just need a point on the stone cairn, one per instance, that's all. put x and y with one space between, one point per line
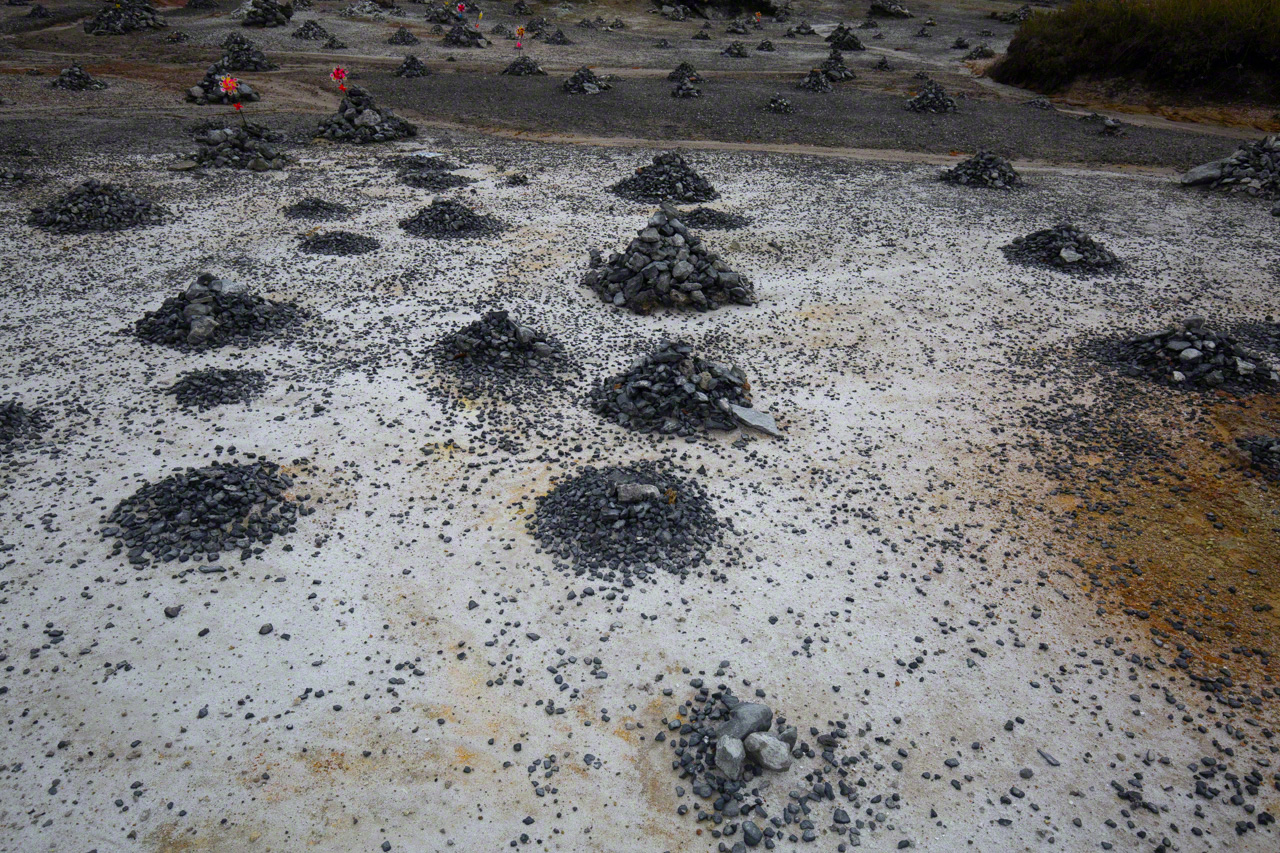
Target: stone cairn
316 208
412 67
214 312
199 390
888 9
1063 247
666 265
118 17
428 173
983 170
335 43
449 219
1017 16
240 54
524 66
982 51
684 71
701 35
75 79
735 50
932 99
779 104
337 244
460 36
766 46
667 178
248 146
267 13
496 355
816 81
558 38
1254 169
1191 355
97 206
686 89
844 38
835 69
209 90
585 82
360 121
403 36
311 31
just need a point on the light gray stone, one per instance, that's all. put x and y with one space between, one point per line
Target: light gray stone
731 756
772 753
1204 174
201 328
744 719
762 421
629 493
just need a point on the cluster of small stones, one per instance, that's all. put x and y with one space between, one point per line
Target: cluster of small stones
499 356
1192 355
701 35
75 79
1017 16
97 206
932 99
1041 103
685 89
337 244
312 208
801 29
311 31
667 178
835 69
779 104
18 423
844 38
209 90
666 265
39 13
371 9
412 67
241 54
446 218
179 36
558 38
1063 247
1264 452
684 71
118 17
737 28
888 9
585 82
883 64
335 43
982 51
199 514
712 219
983 170
268 13
214 312
625 524
524 66
816 81
402 35
1254 168
766 46
358 120
199 390
460 36
248 146
673 392
735 50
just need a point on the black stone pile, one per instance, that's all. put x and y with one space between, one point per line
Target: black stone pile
360 121
412 67
1063 247
844 38
584 82
96 206
403 36
524 66
666 265
738 28
932 99
247 146
883 64
558 37
835 69
216 386
118 17
1191 355
625 524
268 13
801 29
779 104
241 54
214 312
460 36
960 43
335 43
984 169
685 89
1017 16
1254 168
311 31
18 423
982 51
701 35
735 50
712 219
673 392
888 9
816 81
489 354
446 218
316 208
766 46
200 513
39 13
337 244
75 79
209 90
1263 450
1041 103
684 71
668 178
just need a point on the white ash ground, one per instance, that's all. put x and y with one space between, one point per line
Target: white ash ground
879 340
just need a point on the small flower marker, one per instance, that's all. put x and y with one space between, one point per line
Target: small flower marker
339 76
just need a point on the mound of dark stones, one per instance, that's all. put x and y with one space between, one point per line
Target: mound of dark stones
214 312
1041 103
460 36
932 99
524 66
766 46
210 387
667 178
497 355
779 104
960 43
118 17
412 67
446 218
268 13
712 219
801 29
737 28
844 38
97 206
685 89
241 54
1263 450
671 391
337 244
984 169
667 265
18 423
883 64
982 51
75 79
311 31
735 50
1017 16
316 208
1254 168
1192 355
1063 247
625 524
558 38
835 69
701 35
39 13
402 35
209 90
335 43
201 513
360 121
585 82
434 180
247 146
888 9
816 81
684 71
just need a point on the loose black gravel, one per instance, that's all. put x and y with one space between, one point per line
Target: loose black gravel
216 386
338 243
97 206
446 218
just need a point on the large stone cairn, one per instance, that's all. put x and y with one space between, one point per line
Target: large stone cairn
75 79
246 146
449 219
844 38
1191 355
585 82
524 66
667 178
240 54
214 312
209 90
311 31
984 169
888 9
1063 247
1254 169
118 17
667 265
358 120
816 81
268 13
97 206
412 67
932 99
835 69
673 392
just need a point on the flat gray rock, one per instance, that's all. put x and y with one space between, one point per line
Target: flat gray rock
1204 174
762 421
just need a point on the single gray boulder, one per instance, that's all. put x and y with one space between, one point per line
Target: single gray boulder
744 719
731 757
1204 174
762 421
771 753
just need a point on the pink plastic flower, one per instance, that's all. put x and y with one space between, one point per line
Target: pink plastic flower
339 76
229 84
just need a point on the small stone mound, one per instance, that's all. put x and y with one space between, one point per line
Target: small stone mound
888 9
448 219
215 312
766 46
199 390
209 90
713 220
97 206
248 146
403 36
75 79
801 29
311 31
816 81
338 244
982 51
200 513
267 13
460 36
835 69
524 66
316 208
412 67
960 43
662 44
983 170
118 17
1191 355
666 265
626 523
701 35
844 38
178 37
923 33
585 82
558 38
1064 247
883 64
736 50
240 54
684 71
668 178
738 28
1041 103
489 354
685 89
18 423
434 180
359 121
932 99
335 43
39 13
1017 16
1264 452
779 104
1254 168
